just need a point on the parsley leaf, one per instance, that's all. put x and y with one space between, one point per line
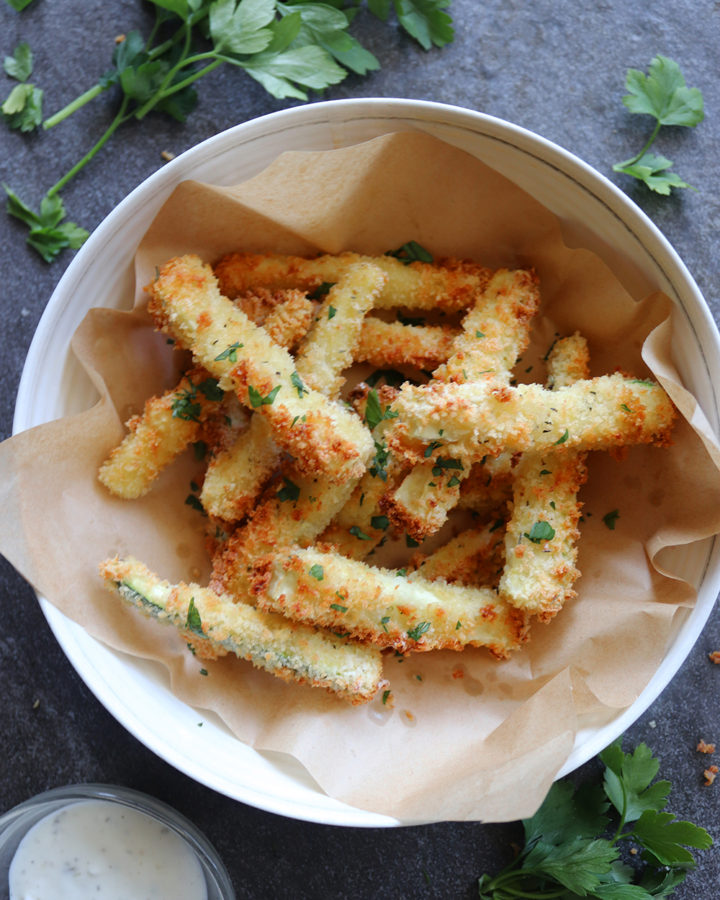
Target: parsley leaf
662 94
423 20
418 631
48 234
19 5
20 65
22 110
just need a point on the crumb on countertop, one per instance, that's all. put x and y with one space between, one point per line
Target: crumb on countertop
702 747
715 656
710 774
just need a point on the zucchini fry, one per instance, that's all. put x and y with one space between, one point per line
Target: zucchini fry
474 556
236 476
448 285
323 436
494 334
360 526
391 344
328 347
285 649
542 532
289 321
479 419
294 510
382 607
167 425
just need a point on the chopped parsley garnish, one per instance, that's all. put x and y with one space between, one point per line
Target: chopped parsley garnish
321 290
289 491
229 353
193 621
411 542
609 519
338 608
431 447
418 631
454 481
374 413
382 454
357 532
384 621
192 500
385 696
317 571
297 384
540 531
185 405
211 389
411 252
442 463
380 522
479 334
331 312
563 437
257 399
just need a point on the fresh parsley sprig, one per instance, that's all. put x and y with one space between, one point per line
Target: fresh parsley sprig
574 849
663 94
291 47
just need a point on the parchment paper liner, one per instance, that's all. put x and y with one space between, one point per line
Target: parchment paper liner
482 746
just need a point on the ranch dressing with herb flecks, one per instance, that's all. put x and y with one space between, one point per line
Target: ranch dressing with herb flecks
106 851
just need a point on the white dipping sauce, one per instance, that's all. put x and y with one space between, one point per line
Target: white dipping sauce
107 851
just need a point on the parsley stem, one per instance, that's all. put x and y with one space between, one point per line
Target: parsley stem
648 144
114 125
180 85
72 107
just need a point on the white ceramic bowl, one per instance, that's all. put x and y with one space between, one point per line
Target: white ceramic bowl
53 384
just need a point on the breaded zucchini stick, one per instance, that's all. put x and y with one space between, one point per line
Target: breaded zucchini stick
323 436
494 334
361 524
542 531
293 510
479 419
448 285
475 556
489 485
235 476
289 321
390 344
328 347
166 426
285 649
382 607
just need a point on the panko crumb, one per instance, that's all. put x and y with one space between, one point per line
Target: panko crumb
702 747
710 774
714 657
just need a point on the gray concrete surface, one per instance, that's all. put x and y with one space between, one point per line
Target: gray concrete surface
556 68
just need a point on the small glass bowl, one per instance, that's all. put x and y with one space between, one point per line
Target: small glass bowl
15 824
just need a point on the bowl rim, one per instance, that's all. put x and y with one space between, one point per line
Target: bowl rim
399 111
